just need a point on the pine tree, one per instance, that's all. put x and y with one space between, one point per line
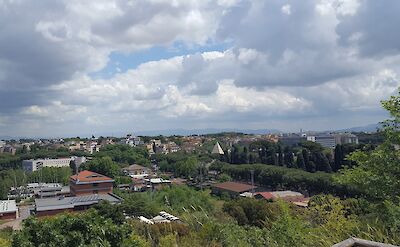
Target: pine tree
306 157
311 166
244 156
339 157
300 161
280 156
323 163
274 158
288 157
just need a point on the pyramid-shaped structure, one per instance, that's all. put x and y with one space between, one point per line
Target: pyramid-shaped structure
217 149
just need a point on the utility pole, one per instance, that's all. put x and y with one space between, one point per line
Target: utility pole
252 182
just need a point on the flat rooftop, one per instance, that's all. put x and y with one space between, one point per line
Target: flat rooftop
8 206
46 204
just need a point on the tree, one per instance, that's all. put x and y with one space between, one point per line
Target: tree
280 156
306 156
109 211
67 230
339 157
322 163
187 168
311 167
104 166
249 211
377 172
300 161
244 156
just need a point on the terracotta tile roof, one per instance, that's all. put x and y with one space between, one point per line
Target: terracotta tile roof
266 195
88 176
233 186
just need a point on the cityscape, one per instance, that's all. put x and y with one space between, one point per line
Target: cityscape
184 123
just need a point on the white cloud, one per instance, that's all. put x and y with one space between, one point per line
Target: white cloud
329 60
286 9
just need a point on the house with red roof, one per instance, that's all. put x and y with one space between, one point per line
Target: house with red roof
232 188
88 183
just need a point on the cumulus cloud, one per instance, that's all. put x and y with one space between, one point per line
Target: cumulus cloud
326 60
372 29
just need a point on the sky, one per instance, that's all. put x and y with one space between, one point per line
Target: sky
77 67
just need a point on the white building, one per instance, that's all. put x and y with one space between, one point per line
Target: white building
331 140
327 141
8 210
34 165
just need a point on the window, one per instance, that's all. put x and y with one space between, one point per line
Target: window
95 185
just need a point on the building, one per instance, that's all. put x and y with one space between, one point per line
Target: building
137 171
9 149
292 140
51 191
8 210
156 142
346 138
173 147
92 147
327 141
157 183
88 183
52 206
150 149
34 165
132 141
287 195
232 188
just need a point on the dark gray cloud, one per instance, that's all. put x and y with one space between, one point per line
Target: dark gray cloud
296 44
373 29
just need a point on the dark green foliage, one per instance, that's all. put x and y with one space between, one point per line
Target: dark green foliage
104 165
377 172
89 229
50 175
275 177
281 162
249 211
339 157
139 204
187 168
125 154
300 161
322 162
109 211
311 167
288 157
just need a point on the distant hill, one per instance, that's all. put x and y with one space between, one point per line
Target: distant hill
6 137
184 132
366 128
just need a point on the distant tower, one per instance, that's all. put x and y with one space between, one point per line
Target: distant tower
217 149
